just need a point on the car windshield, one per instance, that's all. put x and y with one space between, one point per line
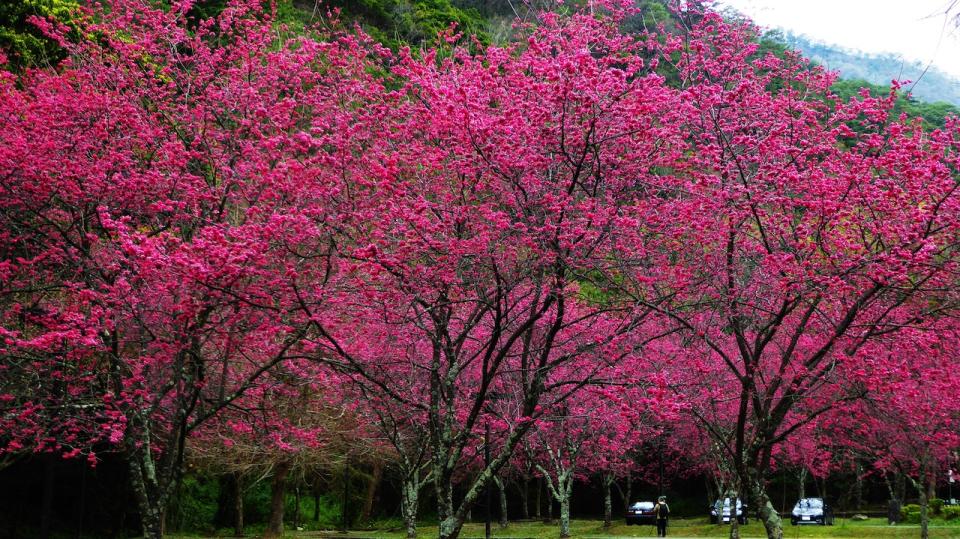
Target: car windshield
726 503
809 503
643 505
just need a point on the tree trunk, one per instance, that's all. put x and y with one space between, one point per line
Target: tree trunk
151 520
802 483
316 499
607 479
566 490
502 490
367 510
538 501
296 507
921 487
238 506
525 498
450 527
733 495
278 491
708 489
858 488
627 498
409 501
153 479
449 522
768 515
150 492
46 503
924 514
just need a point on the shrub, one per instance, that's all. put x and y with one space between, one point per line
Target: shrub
936 506
951 512
910 513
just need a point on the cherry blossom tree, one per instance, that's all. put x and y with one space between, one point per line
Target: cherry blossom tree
158 193
815 228
909 423
587 435
520 185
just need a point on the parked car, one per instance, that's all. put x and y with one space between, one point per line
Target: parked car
641 513
720 511
812 511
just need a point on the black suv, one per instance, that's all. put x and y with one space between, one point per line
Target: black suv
812 511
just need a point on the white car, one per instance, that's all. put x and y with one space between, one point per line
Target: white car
811 511
720 512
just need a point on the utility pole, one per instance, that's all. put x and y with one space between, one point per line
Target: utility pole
486 461
660 482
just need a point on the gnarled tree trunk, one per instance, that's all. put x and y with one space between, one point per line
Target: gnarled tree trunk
410 502
802 483
538 500
921 487
734 497
502 490
525 498
375 476
768 515
562 492
278 493
565 511
607 480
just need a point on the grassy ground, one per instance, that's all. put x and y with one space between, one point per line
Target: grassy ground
679 528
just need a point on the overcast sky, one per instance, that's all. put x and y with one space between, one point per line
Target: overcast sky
915 29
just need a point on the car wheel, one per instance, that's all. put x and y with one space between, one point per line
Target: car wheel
793 522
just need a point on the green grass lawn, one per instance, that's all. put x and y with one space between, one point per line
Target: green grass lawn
679 528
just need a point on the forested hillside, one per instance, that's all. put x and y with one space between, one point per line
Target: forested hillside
930 84
417 22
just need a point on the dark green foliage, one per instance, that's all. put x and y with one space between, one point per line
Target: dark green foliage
910 513
331 515
933 114
936 506
415 22
256 503
195 504
205 9
22 42
392 22
194 509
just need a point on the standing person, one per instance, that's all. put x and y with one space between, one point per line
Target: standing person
893 511
662 511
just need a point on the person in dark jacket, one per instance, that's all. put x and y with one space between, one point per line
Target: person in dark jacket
893 511
662 512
